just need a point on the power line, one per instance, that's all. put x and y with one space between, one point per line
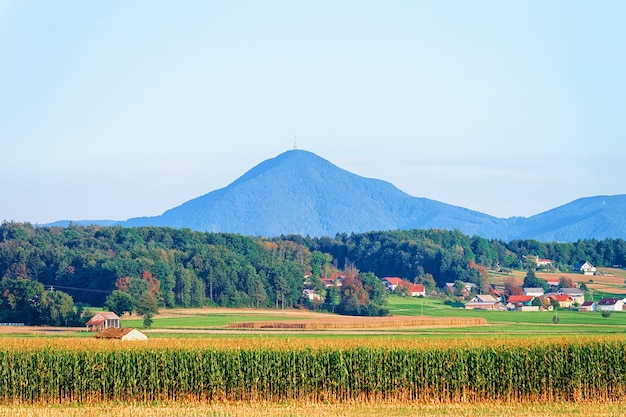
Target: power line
80 289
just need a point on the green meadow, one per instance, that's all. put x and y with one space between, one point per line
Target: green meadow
500 323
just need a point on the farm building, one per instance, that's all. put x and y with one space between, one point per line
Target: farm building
484 302
587 306
578 295
103 320
124 334
535 292
610 304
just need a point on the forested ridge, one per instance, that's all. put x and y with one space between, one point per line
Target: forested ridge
451 255
184 268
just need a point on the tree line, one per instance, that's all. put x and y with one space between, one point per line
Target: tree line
438 256
183 268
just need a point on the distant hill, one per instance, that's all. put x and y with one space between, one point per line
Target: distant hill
597 217
298 192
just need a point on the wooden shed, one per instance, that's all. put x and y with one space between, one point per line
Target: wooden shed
125 334
103 320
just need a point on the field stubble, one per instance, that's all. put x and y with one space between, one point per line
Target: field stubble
296 409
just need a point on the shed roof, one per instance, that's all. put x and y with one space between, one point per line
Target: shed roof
118 333
608 301
485 298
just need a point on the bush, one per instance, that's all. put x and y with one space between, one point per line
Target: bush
606 314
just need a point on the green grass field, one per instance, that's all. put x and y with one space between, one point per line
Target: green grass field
511 323
206 321
514 322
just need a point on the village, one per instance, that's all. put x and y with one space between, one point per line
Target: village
555 293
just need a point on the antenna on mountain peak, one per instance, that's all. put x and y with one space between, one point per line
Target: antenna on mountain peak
294 142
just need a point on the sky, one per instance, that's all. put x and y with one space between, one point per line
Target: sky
120 109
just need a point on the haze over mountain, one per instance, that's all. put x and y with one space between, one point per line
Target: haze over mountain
298 192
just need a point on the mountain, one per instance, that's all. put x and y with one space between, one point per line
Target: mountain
597 217
298 192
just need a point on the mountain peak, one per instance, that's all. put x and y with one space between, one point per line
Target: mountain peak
291 161
299 192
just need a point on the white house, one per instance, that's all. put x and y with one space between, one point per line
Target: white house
484 302
311 294
535 292
392 282
610 304
587 306
586 268
415 290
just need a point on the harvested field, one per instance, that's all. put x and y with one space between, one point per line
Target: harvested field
349 323
611 281
190 312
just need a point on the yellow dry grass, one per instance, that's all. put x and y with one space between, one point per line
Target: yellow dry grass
288 343
191 312
294 409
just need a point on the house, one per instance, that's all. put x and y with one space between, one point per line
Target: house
585 267
535 292
553 282
523 299
484 302
103 320
416 290
468 287
124 334
538 261
392 282
311 295
578 295
330 282
564 300
610 304
587 306
519 302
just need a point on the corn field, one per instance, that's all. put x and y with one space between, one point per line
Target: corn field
88 372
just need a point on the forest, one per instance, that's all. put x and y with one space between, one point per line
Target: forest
46 270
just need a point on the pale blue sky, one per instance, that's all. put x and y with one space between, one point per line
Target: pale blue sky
118 109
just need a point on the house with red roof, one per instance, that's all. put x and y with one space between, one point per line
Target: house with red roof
521 303
538 261
564 300
416 290
392 283
523 299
